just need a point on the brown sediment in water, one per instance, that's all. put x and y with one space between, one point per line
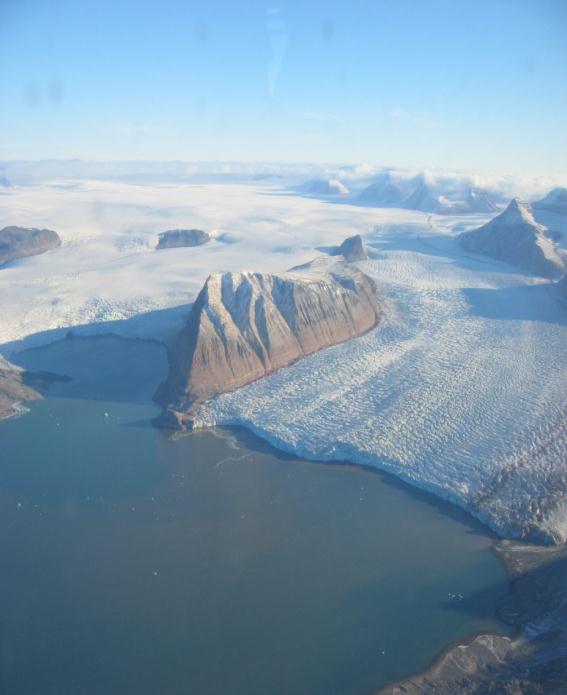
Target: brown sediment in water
533 660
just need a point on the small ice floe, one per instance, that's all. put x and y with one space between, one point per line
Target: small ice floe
106 414
455 597
19 505
156 573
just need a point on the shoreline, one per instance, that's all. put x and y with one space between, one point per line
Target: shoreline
473 665
535 535
534 608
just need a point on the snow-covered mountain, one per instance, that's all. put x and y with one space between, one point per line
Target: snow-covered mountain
554 201
326 187
245 325
385 191
428 194
516 238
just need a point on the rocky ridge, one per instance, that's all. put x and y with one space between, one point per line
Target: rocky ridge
19 242
18 385
246 325
178 238
352 249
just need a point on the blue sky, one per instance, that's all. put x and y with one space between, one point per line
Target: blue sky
473 85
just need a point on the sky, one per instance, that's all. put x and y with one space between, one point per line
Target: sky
478 85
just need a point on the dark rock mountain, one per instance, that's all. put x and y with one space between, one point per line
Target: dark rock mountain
19 242
352 249
177 238
245 325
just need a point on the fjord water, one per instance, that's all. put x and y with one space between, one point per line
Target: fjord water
137 562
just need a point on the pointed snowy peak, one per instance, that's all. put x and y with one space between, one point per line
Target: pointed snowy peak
514 237
517 212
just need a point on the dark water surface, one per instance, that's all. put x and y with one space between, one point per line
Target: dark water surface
136 563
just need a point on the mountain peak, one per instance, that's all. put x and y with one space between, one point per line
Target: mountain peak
516 238
517 212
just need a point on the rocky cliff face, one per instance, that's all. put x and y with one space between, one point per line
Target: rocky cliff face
352 249
18 385
516 238
18 242
246 325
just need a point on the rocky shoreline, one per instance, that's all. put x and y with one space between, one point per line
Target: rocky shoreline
18 386
534 660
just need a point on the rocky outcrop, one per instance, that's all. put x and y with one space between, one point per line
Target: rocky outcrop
18 385
18 242
177 238
516 238
554 201
352 249
245 325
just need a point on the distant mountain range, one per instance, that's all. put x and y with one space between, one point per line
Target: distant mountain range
423 192
554 201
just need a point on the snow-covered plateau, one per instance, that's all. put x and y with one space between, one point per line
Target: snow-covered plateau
462 390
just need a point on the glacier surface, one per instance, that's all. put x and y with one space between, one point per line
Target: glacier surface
462 391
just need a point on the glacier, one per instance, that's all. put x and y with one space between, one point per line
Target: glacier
462 391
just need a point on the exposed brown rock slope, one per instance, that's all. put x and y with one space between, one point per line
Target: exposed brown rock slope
176 238
352 249
18 242
245 325
18 385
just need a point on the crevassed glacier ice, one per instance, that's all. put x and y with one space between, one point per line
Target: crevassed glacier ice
463 392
